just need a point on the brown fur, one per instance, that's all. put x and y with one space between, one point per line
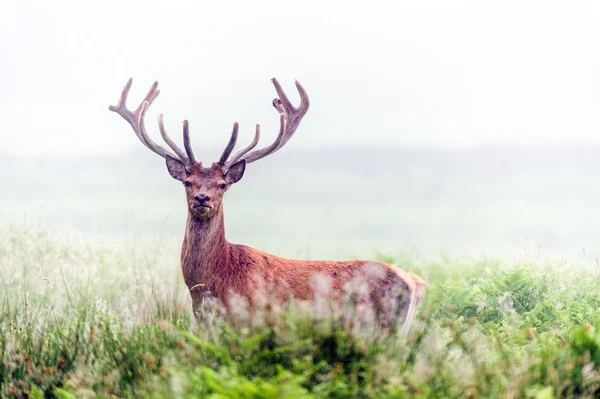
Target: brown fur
214 267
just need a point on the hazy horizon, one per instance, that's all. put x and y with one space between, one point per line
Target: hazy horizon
332 203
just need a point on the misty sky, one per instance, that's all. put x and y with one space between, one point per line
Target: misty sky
426 73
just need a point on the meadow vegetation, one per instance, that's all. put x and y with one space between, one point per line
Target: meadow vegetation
82 319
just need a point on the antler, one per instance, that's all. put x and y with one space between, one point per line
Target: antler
136 120
289 121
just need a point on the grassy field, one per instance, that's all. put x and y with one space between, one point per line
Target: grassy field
88 319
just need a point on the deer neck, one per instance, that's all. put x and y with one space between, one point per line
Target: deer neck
204 244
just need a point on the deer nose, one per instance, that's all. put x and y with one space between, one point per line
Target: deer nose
202 198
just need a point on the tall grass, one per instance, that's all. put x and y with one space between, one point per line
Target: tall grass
80 319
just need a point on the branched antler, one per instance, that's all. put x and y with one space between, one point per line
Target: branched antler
289 122
136 120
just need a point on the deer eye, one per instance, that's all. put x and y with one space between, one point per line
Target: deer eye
222 186
187 183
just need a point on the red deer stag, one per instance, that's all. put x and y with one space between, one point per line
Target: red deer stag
214 267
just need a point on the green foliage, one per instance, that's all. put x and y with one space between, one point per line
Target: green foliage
80 321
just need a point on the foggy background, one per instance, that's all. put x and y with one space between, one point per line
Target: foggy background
434 126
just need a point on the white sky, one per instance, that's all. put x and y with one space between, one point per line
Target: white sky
414 73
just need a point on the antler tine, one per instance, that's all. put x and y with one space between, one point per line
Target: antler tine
121 107
236 157
263 152
169 141
122 100
289 121
137 121
293 115
287 104
150 96
230 145
186 142
141 127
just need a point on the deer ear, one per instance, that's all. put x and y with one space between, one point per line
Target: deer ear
235 172
176 168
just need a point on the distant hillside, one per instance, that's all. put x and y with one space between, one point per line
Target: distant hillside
335 201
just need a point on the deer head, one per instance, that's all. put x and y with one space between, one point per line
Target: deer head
205 186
